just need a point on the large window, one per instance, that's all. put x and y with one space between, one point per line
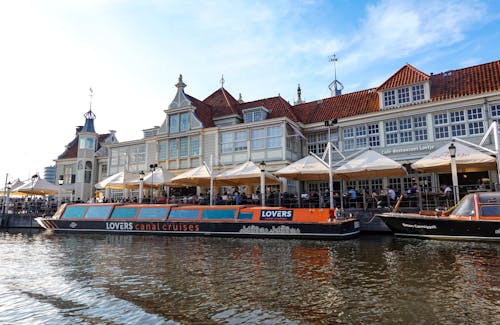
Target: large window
406 130
254 114
459 123
173 123
172 148
495 112
361 136
404 95
258 138
195 146
316 143
274 137
234 141
183 147
87 143
184 122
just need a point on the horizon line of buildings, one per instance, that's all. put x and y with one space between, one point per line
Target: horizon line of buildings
408 116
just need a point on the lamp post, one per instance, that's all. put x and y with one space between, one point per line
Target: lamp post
262 183
152 167
7 188
141 185
60 181
33 180
454 173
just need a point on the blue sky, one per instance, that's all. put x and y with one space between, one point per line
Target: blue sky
132 52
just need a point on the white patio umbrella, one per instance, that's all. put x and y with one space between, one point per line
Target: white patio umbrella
157 178
247 173
120 180
309 168
467 160
199 176
39 187
370 164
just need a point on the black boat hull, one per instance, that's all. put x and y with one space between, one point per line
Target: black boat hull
336 230
442 228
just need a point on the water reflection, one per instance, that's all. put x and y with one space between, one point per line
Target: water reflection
154 279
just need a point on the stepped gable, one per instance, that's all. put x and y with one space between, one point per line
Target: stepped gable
222 103
407 75
277 106
351 104
473 80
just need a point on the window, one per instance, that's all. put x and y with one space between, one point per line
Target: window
68 172
274 134
389 98
183 147
361 137
234 141
403 95
88 172
184 123
87 143
316 143
254 114
258 138
195 146
173 123
495 112
162 150
172 148
417 92
459 123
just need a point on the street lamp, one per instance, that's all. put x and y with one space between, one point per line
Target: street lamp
152 167
454 173
7 188
262 183
141 185
60 181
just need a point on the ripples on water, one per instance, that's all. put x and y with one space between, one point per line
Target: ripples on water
130 279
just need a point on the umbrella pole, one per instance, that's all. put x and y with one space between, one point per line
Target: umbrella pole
211 181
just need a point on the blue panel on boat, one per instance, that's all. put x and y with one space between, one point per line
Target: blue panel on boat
183 214
245 216
218 214
490 210
74 212
152 213
124 213
98 212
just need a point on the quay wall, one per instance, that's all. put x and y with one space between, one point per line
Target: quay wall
18 221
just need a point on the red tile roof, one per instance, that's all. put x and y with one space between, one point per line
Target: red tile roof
479 79
357 103
222 103
407 75
72 147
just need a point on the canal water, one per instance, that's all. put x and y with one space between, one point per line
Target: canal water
48 278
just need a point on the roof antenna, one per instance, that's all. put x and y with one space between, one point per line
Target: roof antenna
222 82
336 86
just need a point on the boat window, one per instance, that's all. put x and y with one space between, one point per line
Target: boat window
75 212
123 213
245 216
490 210
184 214
489 198
466 208
152 213
98 212
218 214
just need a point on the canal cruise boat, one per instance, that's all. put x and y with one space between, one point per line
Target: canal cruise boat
235 220
475 217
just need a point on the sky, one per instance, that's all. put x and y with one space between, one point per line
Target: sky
131 52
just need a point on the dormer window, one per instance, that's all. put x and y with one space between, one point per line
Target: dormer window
405 95
254 114
87 143
178 122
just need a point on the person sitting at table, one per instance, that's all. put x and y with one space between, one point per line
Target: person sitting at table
391 193
446 190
